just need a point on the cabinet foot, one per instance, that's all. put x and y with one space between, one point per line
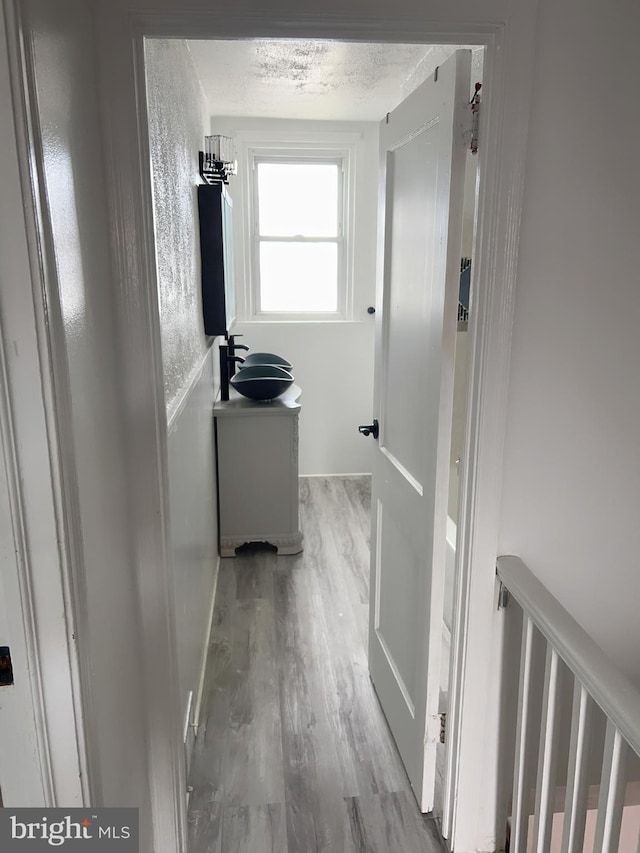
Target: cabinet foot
288 544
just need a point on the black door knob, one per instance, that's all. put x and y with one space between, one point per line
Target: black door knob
370 429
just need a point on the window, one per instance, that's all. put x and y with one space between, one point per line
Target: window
299 259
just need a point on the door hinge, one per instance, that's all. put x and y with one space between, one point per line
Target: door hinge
443 728
474 105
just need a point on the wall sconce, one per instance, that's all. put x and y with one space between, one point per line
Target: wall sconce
218 160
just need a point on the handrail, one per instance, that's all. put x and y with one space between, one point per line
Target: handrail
608 687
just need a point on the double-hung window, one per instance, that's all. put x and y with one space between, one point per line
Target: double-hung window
299 263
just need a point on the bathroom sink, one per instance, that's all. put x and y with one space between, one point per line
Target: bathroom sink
254 358
261 382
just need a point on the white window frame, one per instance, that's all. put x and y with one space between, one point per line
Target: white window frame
339 149
287 158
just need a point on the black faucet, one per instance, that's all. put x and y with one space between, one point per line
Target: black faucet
233 346
227 367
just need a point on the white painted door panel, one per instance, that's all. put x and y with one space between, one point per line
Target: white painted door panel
422 151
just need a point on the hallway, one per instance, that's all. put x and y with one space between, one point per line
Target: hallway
294 755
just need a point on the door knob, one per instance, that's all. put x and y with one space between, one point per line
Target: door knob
370 429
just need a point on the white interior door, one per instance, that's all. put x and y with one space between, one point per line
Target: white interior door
422 152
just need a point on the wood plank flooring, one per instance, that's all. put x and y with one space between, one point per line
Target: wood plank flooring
294 754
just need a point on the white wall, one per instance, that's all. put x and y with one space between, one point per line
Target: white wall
571 494
333 362
194 533
66 77
177 124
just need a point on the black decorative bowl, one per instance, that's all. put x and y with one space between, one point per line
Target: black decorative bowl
254 358
262 382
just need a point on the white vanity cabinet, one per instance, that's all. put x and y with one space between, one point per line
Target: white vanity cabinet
257 452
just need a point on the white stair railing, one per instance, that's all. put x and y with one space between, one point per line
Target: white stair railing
571 771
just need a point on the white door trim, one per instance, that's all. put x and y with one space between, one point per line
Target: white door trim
473 738
504 125
40 469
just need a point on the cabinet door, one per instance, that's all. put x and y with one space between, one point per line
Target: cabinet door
257 476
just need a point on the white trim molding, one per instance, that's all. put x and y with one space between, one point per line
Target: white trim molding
472 751
47 532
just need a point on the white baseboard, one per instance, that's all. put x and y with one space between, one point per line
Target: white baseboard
312 476
205 654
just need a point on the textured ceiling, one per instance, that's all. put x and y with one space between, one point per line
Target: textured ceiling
348 81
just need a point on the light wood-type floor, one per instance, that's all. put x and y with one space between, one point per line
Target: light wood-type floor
294 754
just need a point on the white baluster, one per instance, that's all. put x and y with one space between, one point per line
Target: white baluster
520 810
547 755
612 792
575 809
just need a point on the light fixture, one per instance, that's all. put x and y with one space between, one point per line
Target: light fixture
218 160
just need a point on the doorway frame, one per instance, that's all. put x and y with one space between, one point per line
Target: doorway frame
467 819
42 573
